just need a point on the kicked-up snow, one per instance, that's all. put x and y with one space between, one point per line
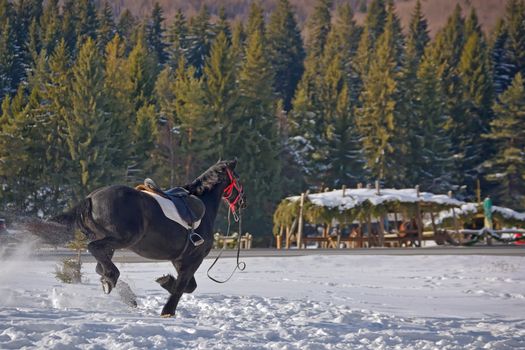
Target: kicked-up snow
314 302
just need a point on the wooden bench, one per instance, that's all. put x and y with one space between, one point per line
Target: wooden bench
221 241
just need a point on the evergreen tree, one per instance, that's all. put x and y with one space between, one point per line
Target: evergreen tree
142 70
373 28
126 27
155 34
507 167
318 28
86 21
379 116
177 39
255 19
199 40
192 116
221 93
144 137
222 24
118 87
8 51
88 124
50 26
417 40
255 132
476 84
285 51
515 43
106 26
69 25
501 72
430 162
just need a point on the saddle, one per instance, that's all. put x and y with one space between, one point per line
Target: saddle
190 208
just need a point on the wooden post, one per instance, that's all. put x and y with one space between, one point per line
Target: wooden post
359 185
300 223
344 190
381 231
419 220
369 228
378 189
279 237
455 220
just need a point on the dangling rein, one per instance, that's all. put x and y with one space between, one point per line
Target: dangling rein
237 217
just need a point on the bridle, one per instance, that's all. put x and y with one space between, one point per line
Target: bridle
235 204
234 201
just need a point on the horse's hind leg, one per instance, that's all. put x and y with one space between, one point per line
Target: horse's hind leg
103 251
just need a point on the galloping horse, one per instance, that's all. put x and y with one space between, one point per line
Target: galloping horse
117 217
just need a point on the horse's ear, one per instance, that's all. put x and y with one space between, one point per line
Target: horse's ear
232 163
220 160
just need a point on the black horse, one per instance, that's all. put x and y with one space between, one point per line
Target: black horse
117 217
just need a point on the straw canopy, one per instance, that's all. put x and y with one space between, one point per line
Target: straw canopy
347 205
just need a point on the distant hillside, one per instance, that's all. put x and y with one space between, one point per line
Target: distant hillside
436 11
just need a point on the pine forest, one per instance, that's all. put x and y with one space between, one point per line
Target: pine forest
90 99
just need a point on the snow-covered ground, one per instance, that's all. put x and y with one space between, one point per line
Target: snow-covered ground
314 302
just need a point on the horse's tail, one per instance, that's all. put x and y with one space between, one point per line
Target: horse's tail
60 229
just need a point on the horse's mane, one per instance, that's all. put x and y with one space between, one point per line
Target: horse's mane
207 180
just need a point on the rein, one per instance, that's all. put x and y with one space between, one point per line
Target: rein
237 217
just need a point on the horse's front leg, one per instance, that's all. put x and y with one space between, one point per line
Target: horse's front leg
185 281
168 282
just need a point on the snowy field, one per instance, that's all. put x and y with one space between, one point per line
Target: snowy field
314 302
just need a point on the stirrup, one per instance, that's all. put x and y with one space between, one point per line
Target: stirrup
196 239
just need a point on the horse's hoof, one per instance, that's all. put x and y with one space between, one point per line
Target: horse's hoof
164 279
167 315
106 286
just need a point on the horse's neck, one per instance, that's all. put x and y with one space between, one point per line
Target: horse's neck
212 199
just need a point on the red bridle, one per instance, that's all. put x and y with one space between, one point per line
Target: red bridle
228 194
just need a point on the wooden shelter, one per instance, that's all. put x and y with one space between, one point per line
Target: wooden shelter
365 210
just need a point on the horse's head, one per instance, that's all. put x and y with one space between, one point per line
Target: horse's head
233 193
221 175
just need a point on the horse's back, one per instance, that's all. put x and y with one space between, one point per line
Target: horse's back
118 209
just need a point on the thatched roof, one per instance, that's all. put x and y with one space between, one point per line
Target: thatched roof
360 203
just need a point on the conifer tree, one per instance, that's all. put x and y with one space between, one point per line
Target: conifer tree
501 72
142 70
155 34
86 21
8 51
50 26
192 115
177 39
106 26
476 85
255 132
222 24
143 141
373 28
255 21
88 124
126 26
221 92
199 40
515 43
430 156
69 25
379 116
506 168
318 28
285 51
417 40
